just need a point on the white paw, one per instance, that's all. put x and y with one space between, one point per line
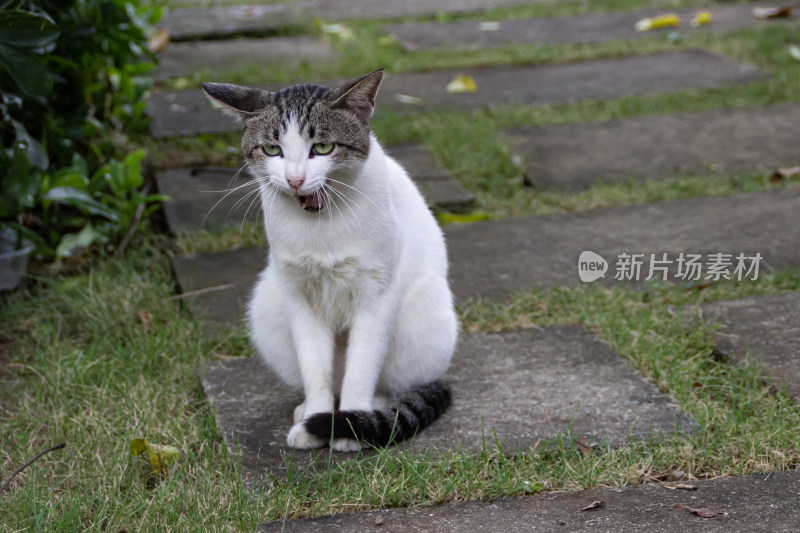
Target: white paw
346 445
299 413
303 440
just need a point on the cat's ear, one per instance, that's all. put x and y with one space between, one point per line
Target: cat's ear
237 101
359 96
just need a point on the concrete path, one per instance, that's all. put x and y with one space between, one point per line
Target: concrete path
724 141
218 57
188 112
205 23
763 330
760 503
523 386
595 28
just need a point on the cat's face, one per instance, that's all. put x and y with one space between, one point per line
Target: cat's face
305 142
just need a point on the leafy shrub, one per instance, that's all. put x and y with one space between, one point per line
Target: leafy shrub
72 81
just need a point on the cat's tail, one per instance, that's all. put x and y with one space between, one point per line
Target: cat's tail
413 412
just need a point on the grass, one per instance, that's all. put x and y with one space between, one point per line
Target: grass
98 359
102 357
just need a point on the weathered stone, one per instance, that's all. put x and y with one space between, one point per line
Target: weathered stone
193 23
724 141
760 503
188 112
217 286
208 198
592 28
763 330
522 386
218 57
490 259
212 197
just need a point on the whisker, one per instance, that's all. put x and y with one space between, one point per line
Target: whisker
344 199
254 181
241 201
244 218
368 199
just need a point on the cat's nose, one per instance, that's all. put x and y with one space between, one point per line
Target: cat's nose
295 182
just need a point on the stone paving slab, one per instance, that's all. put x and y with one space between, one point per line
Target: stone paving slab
525 385
760 503
761 329
213 197
723 141
188 112
594 28
223 281
490 259
216 22
183 59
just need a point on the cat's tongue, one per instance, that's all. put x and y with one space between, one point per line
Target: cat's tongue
312 202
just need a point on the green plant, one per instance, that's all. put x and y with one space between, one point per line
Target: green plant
72 207
71 73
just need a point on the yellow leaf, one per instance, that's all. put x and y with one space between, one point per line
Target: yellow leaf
462 84
661 21
701 19
456 218
160 456
138 446
167 455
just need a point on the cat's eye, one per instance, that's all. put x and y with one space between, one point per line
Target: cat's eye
322 148
271 150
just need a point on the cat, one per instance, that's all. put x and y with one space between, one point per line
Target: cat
354 307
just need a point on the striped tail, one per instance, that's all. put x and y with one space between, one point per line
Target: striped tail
414 411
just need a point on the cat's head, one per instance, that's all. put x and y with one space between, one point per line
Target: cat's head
304 138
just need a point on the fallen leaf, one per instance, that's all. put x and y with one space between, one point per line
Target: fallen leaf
339 30
445 218
661 21
676 475
594 505
462 84
701 512
407 99
145 318
701 19
772 12
784 173
584 447
158 40
682 486
794 51
160 456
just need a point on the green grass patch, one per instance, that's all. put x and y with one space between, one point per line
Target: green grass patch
98 359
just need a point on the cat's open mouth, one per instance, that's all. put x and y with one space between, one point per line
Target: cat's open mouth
312 202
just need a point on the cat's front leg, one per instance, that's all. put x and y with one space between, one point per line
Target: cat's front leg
366 352
314 344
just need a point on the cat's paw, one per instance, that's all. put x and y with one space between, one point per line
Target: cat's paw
346 445
299 413
303 440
